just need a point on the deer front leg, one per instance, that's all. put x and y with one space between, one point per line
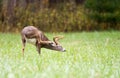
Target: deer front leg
38 46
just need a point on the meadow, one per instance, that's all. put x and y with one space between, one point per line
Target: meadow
89 55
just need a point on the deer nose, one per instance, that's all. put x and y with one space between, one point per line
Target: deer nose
64 50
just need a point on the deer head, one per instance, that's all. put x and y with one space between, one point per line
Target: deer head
54 45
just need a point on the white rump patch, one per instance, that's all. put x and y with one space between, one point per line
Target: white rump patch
31 41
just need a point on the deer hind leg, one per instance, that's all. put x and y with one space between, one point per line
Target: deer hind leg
23 48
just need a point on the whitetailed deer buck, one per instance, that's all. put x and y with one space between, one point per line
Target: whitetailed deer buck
32 35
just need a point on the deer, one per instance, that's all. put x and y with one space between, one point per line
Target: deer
31 34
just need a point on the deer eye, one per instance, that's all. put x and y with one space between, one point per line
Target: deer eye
52 44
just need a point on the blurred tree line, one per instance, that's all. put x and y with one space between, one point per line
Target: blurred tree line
106 13
59 15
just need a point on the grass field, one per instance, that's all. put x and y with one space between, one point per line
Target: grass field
89 55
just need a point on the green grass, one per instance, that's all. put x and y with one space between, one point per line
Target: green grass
89 55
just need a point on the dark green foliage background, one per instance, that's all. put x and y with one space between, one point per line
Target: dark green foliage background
61 16
104 10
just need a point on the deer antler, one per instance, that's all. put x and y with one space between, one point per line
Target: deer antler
55 39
